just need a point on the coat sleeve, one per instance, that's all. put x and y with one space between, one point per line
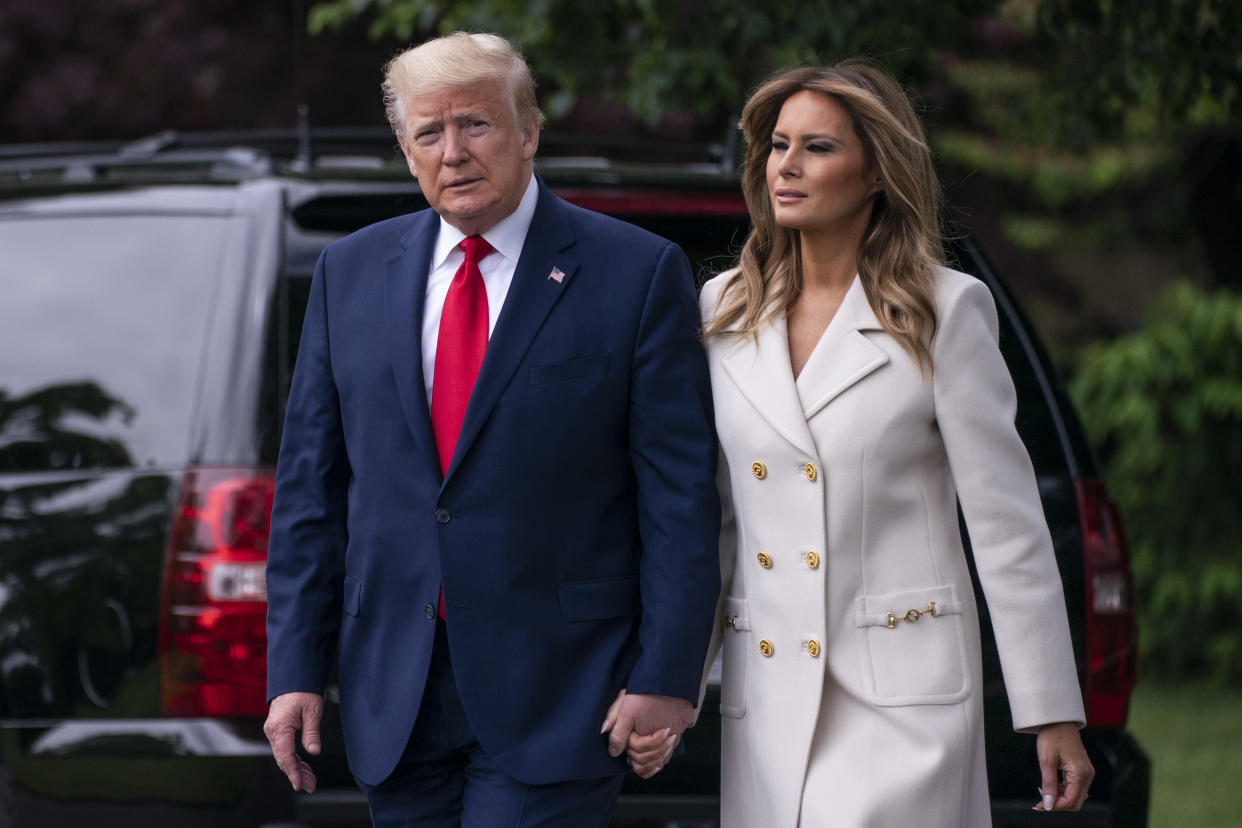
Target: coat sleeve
728 555
306 552
976 405
673 454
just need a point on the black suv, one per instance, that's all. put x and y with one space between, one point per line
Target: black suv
151 299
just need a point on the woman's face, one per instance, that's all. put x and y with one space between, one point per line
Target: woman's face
819 179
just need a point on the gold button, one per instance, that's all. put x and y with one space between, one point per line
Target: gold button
766 648
811 472
812 647
759 470
765 560
812 559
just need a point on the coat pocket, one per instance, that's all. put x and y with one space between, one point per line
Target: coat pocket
599 599
913 649
736 658
570 369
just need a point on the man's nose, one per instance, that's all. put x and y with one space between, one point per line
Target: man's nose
455 151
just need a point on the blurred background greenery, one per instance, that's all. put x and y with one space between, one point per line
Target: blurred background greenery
1093 147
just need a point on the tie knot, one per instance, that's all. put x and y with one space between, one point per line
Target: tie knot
475 248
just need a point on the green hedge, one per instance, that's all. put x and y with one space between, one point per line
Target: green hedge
1164 406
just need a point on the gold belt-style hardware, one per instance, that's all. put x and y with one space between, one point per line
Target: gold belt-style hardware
912 615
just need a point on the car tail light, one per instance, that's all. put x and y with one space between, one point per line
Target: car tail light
1111 630
213 640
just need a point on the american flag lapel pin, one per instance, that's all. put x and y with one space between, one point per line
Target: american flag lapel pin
557 275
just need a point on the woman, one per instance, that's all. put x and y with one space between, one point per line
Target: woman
859 395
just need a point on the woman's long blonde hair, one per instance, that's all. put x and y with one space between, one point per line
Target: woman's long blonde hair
902 240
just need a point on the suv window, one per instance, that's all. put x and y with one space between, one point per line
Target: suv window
101 338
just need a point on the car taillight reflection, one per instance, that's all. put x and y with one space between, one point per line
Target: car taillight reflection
213 641
1111 630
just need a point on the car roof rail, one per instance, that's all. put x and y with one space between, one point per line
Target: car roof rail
233 155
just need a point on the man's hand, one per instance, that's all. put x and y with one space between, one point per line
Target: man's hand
1062 755
647 727
289 713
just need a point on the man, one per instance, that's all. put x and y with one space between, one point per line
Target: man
496 486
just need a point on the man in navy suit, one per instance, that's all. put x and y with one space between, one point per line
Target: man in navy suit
495 497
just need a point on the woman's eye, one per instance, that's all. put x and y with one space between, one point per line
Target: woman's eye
779 145
819 148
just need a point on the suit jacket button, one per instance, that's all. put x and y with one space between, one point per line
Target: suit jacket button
812 474
759 470
765 560
812 647
443 515
812 559
766 648
429 611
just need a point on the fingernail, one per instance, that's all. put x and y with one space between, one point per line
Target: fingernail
1047 802
667 731
604 727
672 740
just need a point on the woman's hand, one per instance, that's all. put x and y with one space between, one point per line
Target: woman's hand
1067 772
647 755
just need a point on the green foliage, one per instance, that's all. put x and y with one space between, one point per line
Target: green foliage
698 56
1165 405
1179 58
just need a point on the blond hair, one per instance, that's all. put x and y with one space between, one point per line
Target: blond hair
902 240
451 62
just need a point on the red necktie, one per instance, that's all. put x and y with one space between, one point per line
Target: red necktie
459 351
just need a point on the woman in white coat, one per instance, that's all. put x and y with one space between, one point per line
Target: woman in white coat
860 394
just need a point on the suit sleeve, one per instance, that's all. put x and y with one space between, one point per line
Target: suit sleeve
976 405
305 567
728 556
673 453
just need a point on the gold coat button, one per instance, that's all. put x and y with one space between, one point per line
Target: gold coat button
766 648
812 474
765 560
812 647
759 470
812 559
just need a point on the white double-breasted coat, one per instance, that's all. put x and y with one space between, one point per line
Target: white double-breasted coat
851 692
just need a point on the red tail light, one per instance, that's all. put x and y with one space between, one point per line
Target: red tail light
1111 630
213 640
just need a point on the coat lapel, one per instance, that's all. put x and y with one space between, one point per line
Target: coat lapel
406 284
844 354
531 297
761 371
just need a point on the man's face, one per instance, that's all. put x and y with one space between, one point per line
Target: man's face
471 158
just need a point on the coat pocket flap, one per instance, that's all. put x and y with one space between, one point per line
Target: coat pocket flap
908 607
598 599
569 369
352 598
736 616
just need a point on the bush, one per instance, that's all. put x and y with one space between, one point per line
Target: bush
1164 406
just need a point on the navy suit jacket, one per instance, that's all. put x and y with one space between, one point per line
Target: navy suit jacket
574 533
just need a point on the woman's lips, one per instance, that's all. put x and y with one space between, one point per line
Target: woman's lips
784 196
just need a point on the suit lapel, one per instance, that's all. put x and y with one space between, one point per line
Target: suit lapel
406 285
844 354
762 373
532 294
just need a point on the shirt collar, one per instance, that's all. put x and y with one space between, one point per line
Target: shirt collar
506 237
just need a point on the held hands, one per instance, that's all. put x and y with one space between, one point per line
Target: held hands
1060 749
289 713
647 728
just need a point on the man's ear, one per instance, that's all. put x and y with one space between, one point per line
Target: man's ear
530 140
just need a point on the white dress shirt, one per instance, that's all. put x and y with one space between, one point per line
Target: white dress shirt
506 238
